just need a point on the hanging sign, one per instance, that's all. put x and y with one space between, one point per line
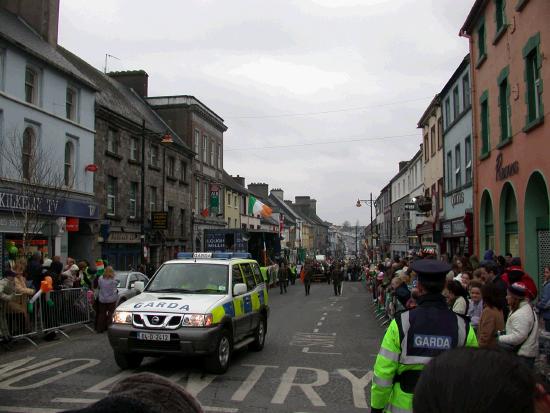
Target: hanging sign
72 224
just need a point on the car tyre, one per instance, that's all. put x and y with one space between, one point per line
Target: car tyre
259 335
218 362
127 360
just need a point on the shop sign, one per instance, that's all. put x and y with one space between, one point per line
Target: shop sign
221 240
16 225
72 224
159 220
410 206
447 228
458 226
506 171
214 199
124 237
457 198
43 205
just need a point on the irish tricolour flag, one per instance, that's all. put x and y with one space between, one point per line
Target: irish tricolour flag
258 207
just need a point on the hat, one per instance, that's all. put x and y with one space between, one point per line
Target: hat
518 289
429 268
380 276
516 262
9 273
47 263
74 267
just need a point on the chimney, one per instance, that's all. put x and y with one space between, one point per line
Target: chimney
402 165
240 180
134 79
278 193
289 203
313 205
260 188
302 200
41 15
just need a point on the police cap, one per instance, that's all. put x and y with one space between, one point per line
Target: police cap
430 269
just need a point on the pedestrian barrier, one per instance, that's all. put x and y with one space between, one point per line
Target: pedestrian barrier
51 312
16 321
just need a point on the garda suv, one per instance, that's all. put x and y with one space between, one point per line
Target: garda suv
206 304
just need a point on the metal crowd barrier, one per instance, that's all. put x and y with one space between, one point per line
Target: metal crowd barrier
51 312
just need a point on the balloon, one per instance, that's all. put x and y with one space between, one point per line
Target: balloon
46 285
30 307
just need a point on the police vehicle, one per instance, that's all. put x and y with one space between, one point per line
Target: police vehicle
207 304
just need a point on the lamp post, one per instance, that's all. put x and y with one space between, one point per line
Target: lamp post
370 203
166 138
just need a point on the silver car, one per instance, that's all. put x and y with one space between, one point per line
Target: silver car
125 284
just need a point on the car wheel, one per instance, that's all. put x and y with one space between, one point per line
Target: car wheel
127 360
259 335
218 362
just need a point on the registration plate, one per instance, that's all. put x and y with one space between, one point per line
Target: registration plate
153 336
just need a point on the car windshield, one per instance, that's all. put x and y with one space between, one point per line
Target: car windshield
121 279
193 278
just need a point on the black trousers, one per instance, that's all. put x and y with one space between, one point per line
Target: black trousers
307 285
337 287
283 284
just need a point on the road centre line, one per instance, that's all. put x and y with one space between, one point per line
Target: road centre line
323 318
74 400
19 409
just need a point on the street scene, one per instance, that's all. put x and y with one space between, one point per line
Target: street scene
292 206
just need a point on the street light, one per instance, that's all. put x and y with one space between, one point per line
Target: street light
370 203
166 138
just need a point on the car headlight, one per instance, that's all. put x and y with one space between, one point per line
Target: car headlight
196 320
122 317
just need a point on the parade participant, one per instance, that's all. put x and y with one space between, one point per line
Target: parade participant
414 337
108 296
337 276
282 275
308 275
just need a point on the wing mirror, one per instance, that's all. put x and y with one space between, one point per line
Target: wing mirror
139 285
239 289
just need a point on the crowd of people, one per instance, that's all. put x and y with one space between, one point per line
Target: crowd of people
23 278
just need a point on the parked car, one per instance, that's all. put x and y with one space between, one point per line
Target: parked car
126 281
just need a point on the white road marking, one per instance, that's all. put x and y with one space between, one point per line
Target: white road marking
315 330
250 381
220 409
19 409
101 386
358 387
8 384
11 369
287 382
194 383
306 350
323 318
325 313
74 400
319 323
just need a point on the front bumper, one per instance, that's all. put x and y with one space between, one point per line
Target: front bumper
183 341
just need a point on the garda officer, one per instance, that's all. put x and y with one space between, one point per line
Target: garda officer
414 337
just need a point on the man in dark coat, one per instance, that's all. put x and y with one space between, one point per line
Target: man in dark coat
34 270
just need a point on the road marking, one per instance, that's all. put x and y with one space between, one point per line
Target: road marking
8 383
319 323
19 409
250 381
358 386
101 386
306 350
315 330
74 400
287 382
325 313
195 382
11 368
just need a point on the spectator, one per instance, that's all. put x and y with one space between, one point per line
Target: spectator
508 257
56 268
402 291
474 262
470 380
457 298
544 303
515 273
34 270
521 335
475 306
489 255
501 264
70 276
489 275
7 293
492 317
68 263
476 275
108 297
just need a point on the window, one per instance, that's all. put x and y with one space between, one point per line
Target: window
112 141
440 193
236 224
237 275
205 194
533 63
152 198
426 149
197 196
481 43
456 103
2 59
28 153
458 162
133 149
466 91
449 171
504 106
183 171
197 143
468 159
500 14
484 114
182 223
171 166
31 86
432 140
228 199
219 156
132 204
171 220
249 277
204 149
212 152
439 133
154 155
228 222
71 103
69 164
235 199
447 112
111 195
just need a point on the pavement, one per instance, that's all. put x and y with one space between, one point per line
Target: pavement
318 357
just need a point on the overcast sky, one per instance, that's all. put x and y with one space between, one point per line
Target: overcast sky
321 97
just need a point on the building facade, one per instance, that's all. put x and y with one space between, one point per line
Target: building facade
508 46
400 217
456 228
415 182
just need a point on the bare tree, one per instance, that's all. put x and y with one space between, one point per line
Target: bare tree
33 181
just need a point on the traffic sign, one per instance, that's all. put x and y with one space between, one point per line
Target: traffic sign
410 206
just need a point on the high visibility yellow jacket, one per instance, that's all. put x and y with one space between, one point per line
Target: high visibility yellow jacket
410 342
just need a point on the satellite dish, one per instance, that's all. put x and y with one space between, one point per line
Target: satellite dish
245 236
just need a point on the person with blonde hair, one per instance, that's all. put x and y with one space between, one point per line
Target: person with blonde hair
108 297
